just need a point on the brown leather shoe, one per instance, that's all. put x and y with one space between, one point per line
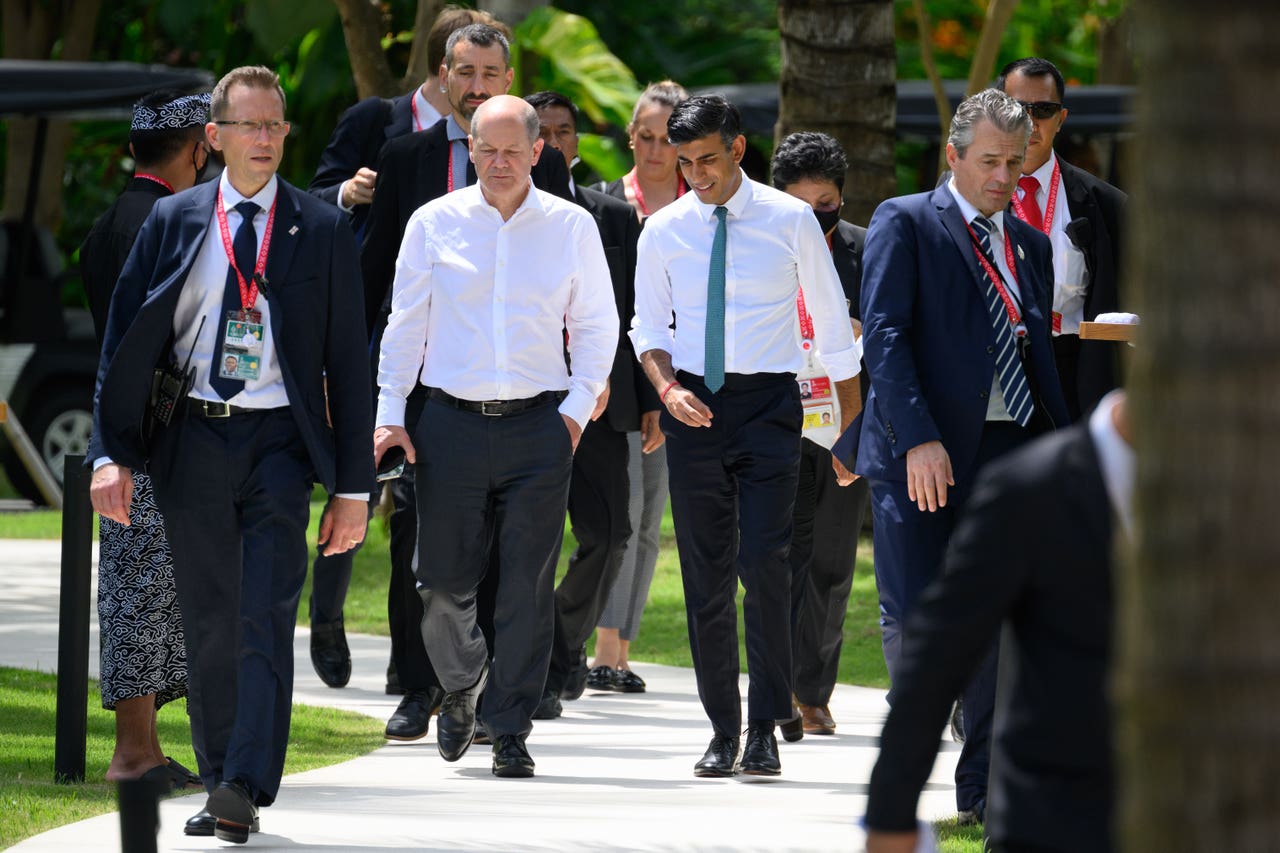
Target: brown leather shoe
817 719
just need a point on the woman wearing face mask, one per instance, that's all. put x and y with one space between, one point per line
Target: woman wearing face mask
811 167
652 184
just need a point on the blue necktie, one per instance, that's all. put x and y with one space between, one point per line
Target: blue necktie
1013 381
713 369
245 248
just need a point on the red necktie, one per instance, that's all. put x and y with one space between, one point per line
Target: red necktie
1029 186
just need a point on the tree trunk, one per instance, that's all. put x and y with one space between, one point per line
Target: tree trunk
838 76
363 26
32 29
1198 650
418 70
999 13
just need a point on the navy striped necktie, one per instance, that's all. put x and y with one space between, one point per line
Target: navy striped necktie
1013 380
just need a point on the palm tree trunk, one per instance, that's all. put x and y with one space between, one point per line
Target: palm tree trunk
838 77
1198 649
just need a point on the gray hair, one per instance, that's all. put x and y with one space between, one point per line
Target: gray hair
480 35
1004 113
524 112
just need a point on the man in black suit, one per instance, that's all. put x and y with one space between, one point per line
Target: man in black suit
234 469
346 178
828 516
413 170
955 304
598 490
1084 219
1032 552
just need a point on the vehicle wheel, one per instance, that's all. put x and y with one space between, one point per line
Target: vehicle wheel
58 424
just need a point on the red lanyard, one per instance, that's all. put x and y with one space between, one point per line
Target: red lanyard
159 180
413 108
806 319
1049 207
1010 307
448 169
248 289
630 180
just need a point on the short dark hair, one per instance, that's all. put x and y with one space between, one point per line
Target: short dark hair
156 147
702 116
481 35
1033 66
452 18
546 98
809 154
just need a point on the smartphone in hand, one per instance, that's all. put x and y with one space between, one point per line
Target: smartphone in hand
391 465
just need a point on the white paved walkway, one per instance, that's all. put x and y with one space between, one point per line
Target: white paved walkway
614 773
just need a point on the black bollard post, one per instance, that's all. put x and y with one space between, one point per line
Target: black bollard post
139 815
72 718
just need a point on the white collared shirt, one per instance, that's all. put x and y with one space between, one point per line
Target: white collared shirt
1116 459
479 306
1069 269
774 245
202 297
425 114
996 408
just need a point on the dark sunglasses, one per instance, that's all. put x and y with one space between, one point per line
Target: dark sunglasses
1041 109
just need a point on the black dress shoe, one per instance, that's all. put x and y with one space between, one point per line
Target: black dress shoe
792 729
329 653
234 812
760 754
600 678
576 680
457 724
549 708
202 823
510 759
626 681
413 715
720 758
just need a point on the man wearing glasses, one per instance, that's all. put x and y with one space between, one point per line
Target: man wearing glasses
1082 217
250 280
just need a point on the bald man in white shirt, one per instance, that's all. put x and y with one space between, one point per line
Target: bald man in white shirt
488 281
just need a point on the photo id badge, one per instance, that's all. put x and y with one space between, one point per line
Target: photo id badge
242 346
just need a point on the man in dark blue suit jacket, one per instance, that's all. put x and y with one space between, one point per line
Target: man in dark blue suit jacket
234 469
958 348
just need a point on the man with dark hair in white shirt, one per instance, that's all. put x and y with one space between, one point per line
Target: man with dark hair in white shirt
726 261
488 282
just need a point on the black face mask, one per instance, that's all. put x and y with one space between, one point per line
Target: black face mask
200 170
827 219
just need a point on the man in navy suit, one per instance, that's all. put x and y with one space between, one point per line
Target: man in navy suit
234 468
955 300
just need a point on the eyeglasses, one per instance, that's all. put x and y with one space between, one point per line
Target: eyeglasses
1041 109
253 128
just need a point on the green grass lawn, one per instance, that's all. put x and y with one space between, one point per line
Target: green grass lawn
31 802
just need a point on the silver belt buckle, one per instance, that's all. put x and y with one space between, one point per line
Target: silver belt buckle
484 408
216 410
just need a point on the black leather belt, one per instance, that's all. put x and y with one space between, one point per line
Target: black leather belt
212 409
497 408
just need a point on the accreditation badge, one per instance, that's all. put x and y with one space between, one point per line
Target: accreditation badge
242 342
821 423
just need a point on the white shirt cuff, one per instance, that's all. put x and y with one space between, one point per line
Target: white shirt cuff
390 410
342 192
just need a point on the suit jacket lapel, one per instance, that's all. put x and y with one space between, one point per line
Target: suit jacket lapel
284 232
953 222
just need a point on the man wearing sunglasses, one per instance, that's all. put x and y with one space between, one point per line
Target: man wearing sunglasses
1082 217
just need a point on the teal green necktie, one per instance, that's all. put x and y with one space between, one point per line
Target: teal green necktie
713 370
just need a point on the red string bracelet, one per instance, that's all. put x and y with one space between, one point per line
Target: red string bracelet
662 398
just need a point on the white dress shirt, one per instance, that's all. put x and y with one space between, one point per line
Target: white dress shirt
1116 459
996 409
774 244
479 305
202 297
1069 269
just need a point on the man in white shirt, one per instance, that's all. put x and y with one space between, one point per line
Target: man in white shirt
489 281
725 262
